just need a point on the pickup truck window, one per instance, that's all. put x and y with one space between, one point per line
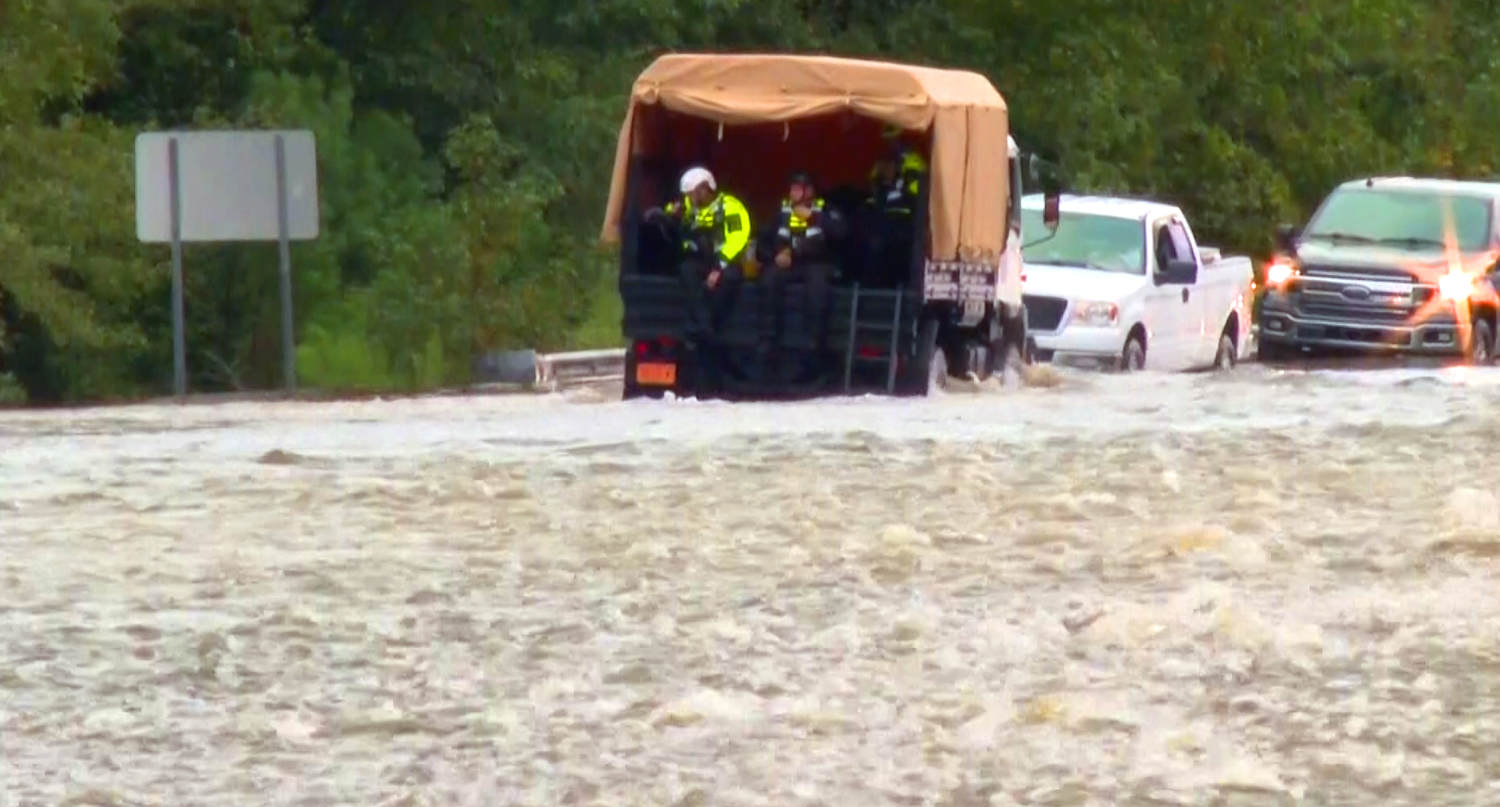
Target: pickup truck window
1403 219
1182 246
1104 243
1172 243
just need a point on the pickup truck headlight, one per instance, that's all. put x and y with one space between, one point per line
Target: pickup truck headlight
1279 271
1456 286
1087 312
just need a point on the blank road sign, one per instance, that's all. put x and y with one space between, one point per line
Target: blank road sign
227 185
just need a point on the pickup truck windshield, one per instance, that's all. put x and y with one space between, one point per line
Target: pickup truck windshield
1105 243
1403 219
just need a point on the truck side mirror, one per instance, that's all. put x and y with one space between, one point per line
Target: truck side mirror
1051 211
1042 173
1286 239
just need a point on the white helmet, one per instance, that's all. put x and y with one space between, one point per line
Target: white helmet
695 176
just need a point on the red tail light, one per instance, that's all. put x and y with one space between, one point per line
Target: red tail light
869 352
667 342
640 350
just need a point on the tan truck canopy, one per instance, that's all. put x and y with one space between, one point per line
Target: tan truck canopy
961 112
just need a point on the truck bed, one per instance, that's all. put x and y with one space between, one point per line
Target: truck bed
1219 264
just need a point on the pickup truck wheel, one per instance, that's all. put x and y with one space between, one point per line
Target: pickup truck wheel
1224 359
1481 343
1133 357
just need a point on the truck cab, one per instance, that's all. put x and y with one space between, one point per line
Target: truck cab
1396 265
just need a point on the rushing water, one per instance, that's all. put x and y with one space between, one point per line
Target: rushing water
1264 588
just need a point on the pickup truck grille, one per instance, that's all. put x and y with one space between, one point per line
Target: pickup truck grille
1350 312
1044 313
1360 296
1356 273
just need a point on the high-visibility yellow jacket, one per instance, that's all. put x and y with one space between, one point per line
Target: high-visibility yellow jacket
726 223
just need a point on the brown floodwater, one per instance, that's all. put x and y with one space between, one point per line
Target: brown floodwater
1262 588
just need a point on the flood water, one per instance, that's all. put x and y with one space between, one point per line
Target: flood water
1263 588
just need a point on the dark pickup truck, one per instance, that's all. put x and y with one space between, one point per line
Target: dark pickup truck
1398 265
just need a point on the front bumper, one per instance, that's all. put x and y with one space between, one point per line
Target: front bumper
1436 334
1082 345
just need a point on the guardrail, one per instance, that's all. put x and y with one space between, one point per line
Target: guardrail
579 367
527 369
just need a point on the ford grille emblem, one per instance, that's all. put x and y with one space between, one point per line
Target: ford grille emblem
1356 292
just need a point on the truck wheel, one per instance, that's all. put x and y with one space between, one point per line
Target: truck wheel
1004 361
1481 343
928 373
1225 358
1008 366
1133 357
1010 351
937 371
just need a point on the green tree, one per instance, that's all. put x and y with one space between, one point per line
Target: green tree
465 149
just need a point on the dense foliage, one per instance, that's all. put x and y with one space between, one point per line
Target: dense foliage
465 145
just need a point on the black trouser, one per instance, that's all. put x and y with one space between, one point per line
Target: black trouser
816 278
885 252
707 307
895 253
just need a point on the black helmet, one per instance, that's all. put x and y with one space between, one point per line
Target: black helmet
801 178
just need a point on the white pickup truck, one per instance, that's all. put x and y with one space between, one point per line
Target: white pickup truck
1123 283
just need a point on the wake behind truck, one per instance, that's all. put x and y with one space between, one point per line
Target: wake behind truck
946 302
1392 265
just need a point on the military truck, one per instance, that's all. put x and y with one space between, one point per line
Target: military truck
952 307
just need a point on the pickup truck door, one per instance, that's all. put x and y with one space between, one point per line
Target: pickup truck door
1169 307
1206 299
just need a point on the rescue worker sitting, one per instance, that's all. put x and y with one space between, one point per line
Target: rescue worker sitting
801 250
896 185
716 230
898 176
680 211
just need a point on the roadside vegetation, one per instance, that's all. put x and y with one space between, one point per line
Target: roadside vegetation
465 149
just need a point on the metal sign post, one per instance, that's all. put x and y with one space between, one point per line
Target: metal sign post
179 339
227 186
288 352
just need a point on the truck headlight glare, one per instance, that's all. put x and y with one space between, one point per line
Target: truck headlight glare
1278 273
1456 286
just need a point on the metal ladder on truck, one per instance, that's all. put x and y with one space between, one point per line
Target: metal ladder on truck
873 325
